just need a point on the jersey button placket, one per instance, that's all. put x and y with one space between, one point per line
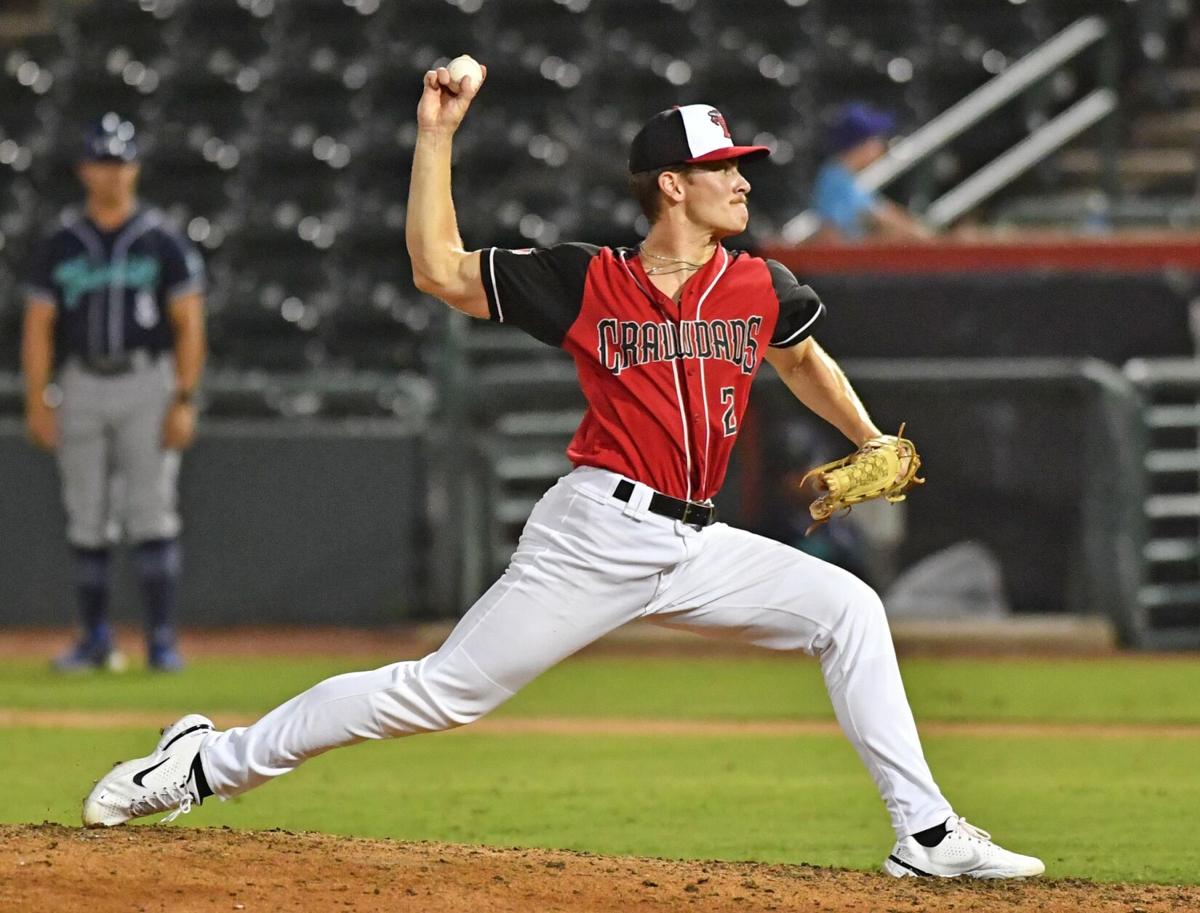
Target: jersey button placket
695 402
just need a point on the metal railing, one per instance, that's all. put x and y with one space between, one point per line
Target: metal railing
972 109
1008 166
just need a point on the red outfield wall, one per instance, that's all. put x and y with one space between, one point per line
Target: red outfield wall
1126 253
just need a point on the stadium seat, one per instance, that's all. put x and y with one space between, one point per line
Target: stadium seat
10 319
223 36
197 105
125 38
378 327
195 195
274 295
418 34
382 322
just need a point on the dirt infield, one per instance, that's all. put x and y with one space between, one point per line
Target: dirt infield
53 868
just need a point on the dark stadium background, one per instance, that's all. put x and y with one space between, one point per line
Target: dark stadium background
366 458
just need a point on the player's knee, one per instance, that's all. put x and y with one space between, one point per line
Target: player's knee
455 701
864 609
150 522
454 709
87 532
858 626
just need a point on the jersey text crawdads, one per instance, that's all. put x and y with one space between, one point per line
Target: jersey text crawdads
666 382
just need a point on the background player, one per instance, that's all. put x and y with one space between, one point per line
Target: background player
849 212
114 298
667 339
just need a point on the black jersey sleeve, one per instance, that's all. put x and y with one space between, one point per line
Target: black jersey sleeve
539 290
182 266
800 310
39 279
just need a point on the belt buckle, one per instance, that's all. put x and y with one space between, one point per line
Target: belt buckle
687 510
108 366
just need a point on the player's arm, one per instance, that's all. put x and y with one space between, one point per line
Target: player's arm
187 322
897 223
37 364
186 313
441 267
816 380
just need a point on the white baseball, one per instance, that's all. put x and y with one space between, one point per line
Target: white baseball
465 65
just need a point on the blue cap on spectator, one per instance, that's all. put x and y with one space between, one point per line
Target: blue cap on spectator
857 123
110 139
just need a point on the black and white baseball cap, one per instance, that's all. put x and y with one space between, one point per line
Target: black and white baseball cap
686 135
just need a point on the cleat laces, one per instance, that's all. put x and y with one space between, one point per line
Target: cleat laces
185 806
177 797
970 830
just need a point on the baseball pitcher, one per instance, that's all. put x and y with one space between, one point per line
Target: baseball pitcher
114 299
667 337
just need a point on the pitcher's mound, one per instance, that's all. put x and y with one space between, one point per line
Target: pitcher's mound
51 868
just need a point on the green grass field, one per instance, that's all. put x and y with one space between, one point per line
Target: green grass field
1107 806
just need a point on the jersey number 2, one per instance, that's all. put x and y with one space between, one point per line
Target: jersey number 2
728 418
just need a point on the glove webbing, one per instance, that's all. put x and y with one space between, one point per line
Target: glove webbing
870 472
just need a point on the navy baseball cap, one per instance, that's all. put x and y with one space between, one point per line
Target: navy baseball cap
857 123
110 139
685 136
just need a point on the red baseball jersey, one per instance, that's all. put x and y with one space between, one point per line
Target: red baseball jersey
666 383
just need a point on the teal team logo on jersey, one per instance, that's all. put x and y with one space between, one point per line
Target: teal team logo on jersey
77 276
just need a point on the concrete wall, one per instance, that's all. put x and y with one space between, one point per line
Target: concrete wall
285 521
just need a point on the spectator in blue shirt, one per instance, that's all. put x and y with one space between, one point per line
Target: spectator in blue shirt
848 211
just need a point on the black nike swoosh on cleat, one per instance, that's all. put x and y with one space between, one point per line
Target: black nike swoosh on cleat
179 735
140 775
893 857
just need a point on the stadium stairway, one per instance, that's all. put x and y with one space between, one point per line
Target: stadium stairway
1158 165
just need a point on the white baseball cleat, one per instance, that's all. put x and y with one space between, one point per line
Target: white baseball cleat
164 781
965 850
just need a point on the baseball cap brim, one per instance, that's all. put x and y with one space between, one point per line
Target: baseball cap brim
749 153
109 159
112 151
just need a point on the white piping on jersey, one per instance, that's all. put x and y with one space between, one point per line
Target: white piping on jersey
39 292
495 288
683 424
687 446
189 286
703 383
116 286
95 249
819 311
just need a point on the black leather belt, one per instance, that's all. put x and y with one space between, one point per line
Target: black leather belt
116 365
107 367
689 512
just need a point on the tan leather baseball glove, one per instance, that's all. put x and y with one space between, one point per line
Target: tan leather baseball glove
884 467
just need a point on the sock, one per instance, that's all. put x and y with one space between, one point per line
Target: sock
158 564
93 581
203 790
931 837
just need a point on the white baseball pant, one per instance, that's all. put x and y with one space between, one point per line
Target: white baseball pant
586 564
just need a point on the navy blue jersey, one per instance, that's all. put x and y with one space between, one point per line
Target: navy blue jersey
112 288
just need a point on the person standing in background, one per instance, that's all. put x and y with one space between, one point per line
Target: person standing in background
850 212
115 314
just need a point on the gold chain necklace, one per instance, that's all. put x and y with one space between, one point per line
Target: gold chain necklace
683 265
